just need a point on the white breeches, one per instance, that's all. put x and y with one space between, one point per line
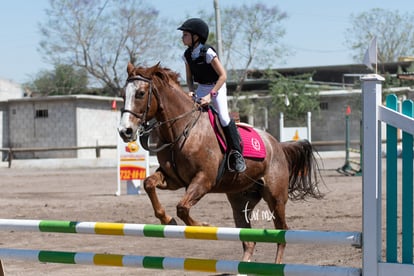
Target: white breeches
219 102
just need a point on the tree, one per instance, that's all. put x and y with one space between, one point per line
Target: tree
294 96
394 32
64 80
101 36
252 36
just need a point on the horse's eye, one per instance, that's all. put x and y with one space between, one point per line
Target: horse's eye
139 94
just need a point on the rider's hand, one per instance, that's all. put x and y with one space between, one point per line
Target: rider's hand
205 101
191 94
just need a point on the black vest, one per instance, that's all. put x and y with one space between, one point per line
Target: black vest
202 72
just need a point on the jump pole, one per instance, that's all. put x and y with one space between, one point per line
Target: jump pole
184 232
188 264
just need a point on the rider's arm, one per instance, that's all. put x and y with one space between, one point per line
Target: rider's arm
189 78
221 72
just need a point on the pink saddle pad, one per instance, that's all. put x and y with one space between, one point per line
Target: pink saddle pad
253 145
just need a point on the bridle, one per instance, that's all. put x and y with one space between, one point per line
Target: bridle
143 116
145 128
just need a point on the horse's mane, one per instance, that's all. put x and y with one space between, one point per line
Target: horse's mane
157 73
162 78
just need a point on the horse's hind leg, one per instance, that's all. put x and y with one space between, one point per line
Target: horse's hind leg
243 204
150 185
277 206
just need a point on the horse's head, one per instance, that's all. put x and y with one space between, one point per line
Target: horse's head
138 95
141 98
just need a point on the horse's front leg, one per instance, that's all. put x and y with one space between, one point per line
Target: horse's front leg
199 187
150 185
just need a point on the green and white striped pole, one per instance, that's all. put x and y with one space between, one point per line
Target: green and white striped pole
184 232
188 264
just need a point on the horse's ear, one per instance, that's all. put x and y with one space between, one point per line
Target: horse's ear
156 70
130 68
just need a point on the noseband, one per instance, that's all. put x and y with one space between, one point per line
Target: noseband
144 115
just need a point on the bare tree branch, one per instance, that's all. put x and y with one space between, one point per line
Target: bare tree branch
394 32
101 36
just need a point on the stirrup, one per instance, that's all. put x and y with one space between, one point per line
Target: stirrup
237 163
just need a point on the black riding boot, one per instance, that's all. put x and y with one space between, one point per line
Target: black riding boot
235 160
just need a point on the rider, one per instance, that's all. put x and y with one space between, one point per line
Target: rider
204 67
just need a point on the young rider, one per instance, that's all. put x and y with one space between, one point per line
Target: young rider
204 67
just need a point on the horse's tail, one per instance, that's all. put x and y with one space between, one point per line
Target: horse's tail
304 173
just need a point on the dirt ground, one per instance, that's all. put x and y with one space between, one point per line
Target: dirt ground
89 195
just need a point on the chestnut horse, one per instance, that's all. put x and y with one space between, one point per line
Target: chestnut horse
189 155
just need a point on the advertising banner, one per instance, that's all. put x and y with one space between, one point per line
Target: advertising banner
133 166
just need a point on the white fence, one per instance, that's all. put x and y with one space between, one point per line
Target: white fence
374 114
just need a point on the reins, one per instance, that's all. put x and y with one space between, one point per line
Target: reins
145 131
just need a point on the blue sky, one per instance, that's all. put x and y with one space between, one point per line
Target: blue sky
314 30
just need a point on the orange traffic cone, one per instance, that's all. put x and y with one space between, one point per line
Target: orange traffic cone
296 136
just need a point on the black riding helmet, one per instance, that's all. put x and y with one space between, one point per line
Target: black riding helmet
196 26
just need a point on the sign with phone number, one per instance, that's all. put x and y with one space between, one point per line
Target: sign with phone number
132 172
133 164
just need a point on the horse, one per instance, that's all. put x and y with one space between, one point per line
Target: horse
190 156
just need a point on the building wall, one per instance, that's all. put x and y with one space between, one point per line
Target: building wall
4 128
39 123
330 123
96 125
62 121
10 90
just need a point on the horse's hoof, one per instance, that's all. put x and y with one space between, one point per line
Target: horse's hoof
172 222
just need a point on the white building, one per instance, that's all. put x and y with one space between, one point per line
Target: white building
62 122
8 90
